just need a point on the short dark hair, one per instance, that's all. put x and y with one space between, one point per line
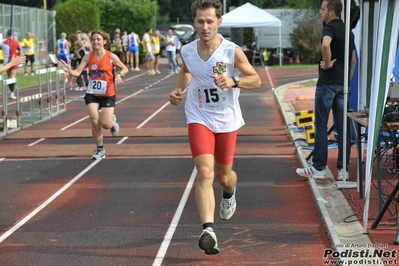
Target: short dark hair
205 4
9 33
335 5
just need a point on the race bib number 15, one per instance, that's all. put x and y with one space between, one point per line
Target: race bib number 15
212 98
97 87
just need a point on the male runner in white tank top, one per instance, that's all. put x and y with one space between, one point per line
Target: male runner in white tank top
214 70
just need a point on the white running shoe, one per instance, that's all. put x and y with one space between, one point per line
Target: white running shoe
115 128
12 95
228 206
341 175
208 242
99 154
158 72
311 172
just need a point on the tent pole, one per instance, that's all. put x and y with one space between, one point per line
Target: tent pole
224 7
281 54
344 184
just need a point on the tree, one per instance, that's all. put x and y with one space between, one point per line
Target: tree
127 15
76 14
305 40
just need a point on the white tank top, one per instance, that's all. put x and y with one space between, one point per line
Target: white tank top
206 104
133 40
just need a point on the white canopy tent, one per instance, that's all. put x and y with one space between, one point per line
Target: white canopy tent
247 16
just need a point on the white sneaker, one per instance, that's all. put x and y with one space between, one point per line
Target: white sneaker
99 154
115 128
311 172
12 95
341 175
177 71
228 206
158 72
153 71
32 74
208 242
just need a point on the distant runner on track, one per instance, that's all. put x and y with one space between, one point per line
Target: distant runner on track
100 93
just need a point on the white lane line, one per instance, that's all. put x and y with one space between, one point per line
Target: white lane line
121 100
117 102
122 140
47 202
74 123
269 77
35 142
145 121
154 114
175 221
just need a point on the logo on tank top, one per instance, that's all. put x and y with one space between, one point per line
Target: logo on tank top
219 68
94 67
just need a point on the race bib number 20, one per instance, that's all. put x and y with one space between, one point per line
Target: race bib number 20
97 87
212 98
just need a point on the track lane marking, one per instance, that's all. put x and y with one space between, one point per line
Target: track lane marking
175 221
46 203
270 78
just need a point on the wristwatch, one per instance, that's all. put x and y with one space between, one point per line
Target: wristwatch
236 81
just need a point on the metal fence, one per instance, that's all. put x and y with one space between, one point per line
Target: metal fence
26 19
42 101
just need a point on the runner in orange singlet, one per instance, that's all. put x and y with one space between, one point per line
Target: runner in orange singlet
100 93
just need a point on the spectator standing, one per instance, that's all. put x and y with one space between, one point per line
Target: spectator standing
73 60
85 38
330 91
28 43
125 44
170 47
149 55
11 49
63 47
80 52
134 43
178 47
116 44
78 32
157 49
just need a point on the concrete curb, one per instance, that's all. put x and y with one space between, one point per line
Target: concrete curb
332 205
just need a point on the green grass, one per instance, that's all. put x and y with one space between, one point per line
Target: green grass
293 66
28 81
310 83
